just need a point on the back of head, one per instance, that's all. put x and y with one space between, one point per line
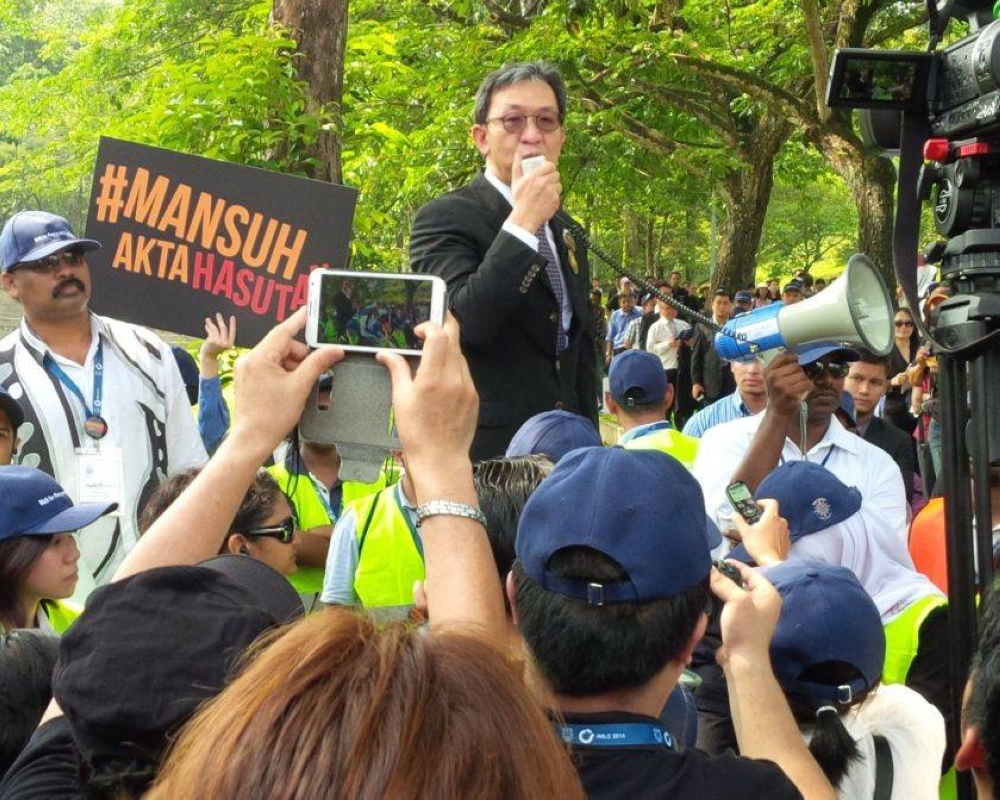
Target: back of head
335 707
610 584
26 661
503 486
638 384
553 434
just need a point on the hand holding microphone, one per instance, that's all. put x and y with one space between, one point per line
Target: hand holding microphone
536 190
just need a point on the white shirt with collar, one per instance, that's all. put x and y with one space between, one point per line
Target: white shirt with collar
531 239
149 420
853 460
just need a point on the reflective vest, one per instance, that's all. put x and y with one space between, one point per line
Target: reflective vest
669 441
390 554
60 614
902 637
312 512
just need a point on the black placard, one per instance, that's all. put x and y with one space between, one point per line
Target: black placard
184 237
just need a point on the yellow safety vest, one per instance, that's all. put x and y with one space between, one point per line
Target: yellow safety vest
60 614
311 512
902 637
390 554
669 441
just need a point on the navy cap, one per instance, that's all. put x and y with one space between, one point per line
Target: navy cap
32 504
826 615
553 434
814 351
810 498
655 530
11 408
792 286
743 296
636 378
32 235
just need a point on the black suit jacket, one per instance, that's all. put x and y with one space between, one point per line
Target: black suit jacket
708 368
501 295
897 444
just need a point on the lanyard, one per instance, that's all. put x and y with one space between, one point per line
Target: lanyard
629 734
94 424
821 463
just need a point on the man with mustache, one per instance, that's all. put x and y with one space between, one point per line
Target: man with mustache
105 409
809 384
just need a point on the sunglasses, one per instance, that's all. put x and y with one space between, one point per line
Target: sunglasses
903 323
836 369
43 266
284 531
547 122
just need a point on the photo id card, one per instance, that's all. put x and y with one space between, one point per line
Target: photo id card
99 476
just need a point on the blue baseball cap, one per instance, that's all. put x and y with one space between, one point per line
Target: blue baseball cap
743 296
553 434
814 351
11 408
826 615
636 378
792 286
33 235
32 504
655 530
810 498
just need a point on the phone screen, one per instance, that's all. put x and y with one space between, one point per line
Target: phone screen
372 312
739 493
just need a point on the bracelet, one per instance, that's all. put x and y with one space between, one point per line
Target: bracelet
446 508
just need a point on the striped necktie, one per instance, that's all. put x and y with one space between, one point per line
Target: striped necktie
555 278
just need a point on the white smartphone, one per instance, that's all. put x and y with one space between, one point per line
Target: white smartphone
371 311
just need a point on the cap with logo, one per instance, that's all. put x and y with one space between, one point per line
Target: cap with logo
553 434
826 616
656 531
11 408
33 235
32 504
810 498
636 378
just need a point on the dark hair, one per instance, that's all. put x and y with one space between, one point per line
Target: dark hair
517 73
17 556
586 650
27 658
982 709
503 486
257 504
868 357
831 745
337 706
723 293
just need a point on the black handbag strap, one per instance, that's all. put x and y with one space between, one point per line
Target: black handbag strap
883 768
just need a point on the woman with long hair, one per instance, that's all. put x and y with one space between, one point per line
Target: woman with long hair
906 343
38 554
335 706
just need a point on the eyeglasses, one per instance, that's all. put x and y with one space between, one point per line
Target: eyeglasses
284 531
817 368
903 323
546 122
43 266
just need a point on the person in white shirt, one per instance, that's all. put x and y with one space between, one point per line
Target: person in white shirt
748 449
106 412
664 340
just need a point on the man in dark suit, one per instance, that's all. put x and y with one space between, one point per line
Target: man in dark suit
867 381
516 271
711 377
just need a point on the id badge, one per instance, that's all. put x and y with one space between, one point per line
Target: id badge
100 476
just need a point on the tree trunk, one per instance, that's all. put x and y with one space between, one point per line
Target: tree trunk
319 28
746 192
872 181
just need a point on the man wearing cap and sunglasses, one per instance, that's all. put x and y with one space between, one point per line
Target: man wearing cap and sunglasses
105 409
804 391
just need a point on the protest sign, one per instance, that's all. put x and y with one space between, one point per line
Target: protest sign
184 237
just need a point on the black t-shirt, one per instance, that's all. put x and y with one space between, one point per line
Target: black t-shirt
47 769
649 771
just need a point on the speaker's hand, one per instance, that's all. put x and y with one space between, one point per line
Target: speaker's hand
787 385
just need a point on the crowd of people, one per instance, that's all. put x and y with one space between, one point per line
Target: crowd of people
556 618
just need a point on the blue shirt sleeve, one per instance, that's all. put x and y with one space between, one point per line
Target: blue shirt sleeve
341 563
213 415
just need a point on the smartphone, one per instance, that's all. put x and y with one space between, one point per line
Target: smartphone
741 497
731 572
368 312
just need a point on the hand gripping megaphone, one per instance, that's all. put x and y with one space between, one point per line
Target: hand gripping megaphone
853 310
